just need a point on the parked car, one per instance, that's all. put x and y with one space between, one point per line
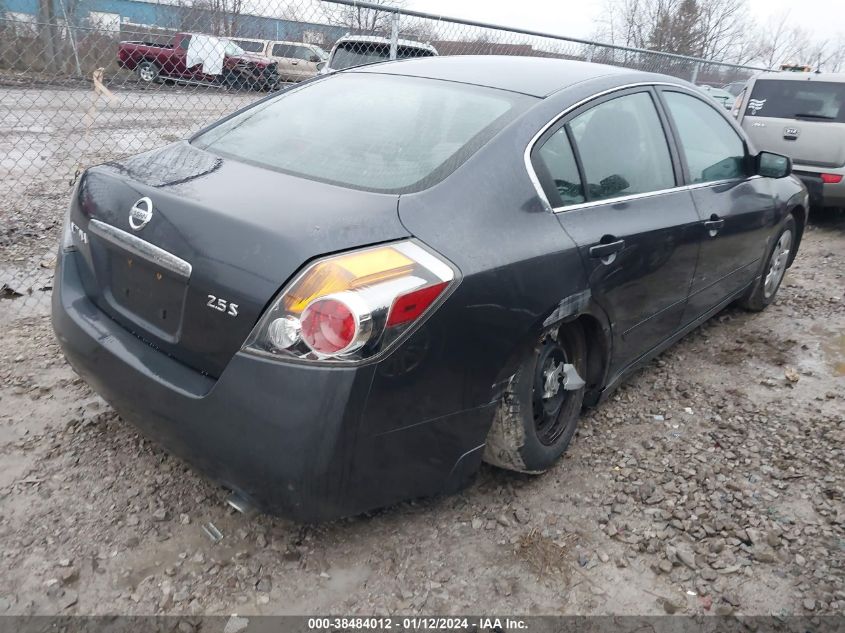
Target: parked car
735 87
722 97
801 115
198 58
331 301
359 50
296 61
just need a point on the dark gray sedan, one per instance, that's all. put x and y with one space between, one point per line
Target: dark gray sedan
352 293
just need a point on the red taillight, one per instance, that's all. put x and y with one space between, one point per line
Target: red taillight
831 179
409 306
328 326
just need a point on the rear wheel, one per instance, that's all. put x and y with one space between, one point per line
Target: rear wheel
765 290
537 417
147 72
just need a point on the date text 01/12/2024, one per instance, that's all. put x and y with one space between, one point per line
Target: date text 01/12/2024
418 623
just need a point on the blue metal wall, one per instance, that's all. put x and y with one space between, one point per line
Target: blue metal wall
176 17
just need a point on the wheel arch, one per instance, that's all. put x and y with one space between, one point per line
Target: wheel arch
597 332
800 214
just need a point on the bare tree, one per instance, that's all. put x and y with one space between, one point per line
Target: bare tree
362 20
713 29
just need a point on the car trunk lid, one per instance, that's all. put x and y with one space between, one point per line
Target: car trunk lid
221 239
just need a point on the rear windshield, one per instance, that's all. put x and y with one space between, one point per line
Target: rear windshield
812 100
350 54
249 46
384 133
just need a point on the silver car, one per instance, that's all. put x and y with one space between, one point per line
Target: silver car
801 115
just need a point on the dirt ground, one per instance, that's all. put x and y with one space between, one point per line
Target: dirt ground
712 482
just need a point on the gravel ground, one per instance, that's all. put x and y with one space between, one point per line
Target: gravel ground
711 482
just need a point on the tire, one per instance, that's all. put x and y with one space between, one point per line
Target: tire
530 432
764 291
147 72
235 81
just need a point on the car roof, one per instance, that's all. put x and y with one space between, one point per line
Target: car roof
535 76
383 40
794 76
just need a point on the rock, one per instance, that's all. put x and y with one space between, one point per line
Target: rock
235 624
603 557
502 520
669 606
687 558
665 566
708 574
185 627
65 562
68 599
263 599
477 523
502 586
731 599
184 519
160 515
69 575
800 560
809 604
264 585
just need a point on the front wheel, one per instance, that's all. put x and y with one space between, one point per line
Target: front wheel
147 72
537 417
764 291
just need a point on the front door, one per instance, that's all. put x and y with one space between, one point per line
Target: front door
736 209
635 228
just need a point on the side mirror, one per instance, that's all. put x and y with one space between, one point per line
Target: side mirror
770 165
314 59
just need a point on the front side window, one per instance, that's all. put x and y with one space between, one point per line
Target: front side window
343 130
557 161
281 50
785 99
623 148
713 149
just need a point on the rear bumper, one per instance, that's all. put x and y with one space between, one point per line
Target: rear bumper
290 437
821 194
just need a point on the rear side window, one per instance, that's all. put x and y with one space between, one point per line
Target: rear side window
623 148
368 131
563 182
784 99
713 149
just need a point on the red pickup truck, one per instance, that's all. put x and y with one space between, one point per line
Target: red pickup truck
153 62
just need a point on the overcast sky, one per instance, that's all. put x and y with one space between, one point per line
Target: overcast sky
825 19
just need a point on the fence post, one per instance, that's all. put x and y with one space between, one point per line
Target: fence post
590 50
695 68
394 34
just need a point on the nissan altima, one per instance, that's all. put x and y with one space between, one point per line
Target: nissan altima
353 292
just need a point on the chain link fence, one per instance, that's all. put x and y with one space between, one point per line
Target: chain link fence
87 81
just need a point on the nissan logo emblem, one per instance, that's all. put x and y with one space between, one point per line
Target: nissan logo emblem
140 214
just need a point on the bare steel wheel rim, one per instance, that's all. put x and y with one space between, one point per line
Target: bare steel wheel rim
777 264
549 395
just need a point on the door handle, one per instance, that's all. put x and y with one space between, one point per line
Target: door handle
607 249
714 224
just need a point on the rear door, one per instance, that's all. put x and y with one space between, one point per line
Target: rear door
635 228
735 207
804 120
282 52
